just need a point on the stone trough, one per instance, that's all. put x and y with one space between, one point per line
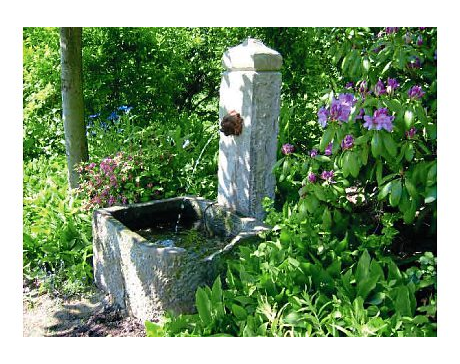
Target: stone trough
146 278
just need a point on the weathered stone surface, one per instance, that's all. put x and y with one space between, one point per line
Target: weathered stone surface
246 161
252 55
146 279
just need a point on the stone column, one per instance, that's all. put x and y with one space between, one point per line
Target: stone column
250 86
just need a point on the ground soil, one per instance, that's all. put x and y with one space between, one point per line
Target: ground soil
88 315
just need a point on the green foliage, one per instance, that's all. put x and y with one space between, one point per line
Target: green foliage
333 264
57 246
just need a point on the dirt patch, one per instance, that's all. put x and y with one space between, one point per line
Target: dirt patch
90 315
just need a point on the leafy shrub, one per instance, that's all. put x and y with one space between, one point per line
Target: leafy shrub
57 230
343 257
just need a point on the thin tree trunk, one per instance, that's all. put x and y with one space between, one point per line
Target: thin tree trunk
72 101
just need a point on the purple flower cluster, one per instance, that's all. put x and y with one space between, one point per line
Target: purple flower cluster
363 90
328 150
313 153
380 120
415 92
415 63
419 40
392 85
347 142
391 30
328 176
379 88
411 133
339 110
287 149
311 177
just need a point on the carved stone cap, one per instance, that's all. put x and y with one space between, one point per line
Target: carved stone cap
252 55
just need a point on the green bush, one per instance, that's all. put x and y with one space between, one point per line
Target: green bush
57 239
343 257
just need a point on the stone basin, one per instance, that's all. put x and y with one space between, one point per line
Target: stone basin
146 279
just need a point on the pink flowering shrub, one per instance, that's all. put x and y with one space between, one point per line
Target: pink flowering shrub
116 180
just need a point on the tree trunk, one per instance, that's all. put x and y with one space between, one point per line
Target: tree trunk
72 101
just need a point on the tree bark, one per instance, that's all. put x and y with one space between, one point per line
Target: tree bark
72 101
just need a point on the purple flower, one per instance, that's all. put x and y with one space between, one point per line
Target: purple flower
391 30
379 88
124 200
347 142
415 92
341 107
111 200
415 62
411 133
419 40
322 116
311 177
407 38
327 176
392 84
363 89
287 149
380 120
349 85
328 150
422 28
313 153
360 115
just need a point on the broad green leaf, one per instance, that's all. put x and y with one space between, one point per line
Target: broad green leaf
431 194
327 137
408 119
384 191
239 312
409 214
362 269
203 305
402 302
311 203
303 207
393 271
409 152
216 295
395 194
390 144
410 188
365 286
376 145
278 163
361 140
432 174
319 192
364 154
322 158
353 165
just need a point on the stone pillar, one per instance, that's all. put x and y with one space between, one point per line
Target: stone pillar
250 86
